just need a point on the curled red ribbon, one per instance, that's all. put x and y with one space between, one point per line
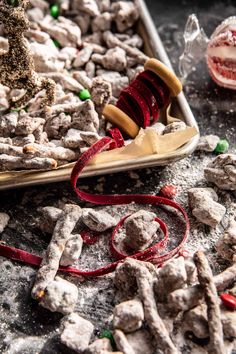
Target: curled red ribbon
150 254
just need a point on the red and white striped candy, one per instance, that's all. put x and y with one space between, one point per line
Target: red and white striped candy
221 54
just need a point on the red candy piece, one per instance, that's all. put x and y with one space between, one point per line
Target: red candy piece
168 191
149 97
229 301
159 89
134 97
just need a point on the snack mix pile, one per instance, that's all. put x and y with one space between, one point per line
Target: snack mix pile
61 66
71 73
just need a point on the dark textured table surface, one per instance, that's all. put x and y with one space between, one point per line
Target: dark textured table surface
215 111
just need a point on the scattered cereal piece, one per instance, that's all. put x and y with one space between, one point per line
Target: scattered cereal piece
204 206
65 31
226 245
83 79
83 20
132 73
85 118
66 81
122 342
22 141
45 56
7 141
170 277
159 127
125 279
72 250
102 22
57 126
62 232
97 220
112 41
6 149
151 315
90 69
57 153
222 171
126 14
83 56
128 316
140 229
99 346
191 271
88 6
4 219
101 93
8 163
49 218
141 341
89 137
117 81
228 318
114 59
205 278
174 127
208 143
27 125
76 332
8 124
73 139
59 296
195 321
185 299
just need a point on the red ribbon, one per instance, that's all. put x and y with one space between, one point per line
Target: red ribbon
150 254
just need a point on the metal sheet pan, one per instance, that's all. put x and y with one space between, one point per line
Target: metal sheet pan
154 48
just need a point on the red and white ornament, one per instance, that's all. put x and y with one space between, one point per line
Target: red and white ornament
221 54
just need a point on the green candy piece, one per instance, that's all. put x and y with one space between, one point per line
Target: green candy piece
56 43
19 109
222 146
12 2
55 11
108 334
84 95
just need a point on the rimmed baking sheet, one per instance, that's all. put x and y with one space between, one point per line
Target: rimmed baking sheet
154 48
